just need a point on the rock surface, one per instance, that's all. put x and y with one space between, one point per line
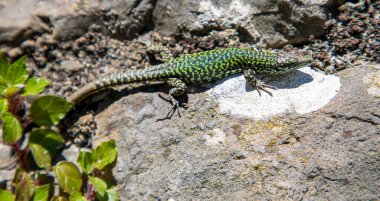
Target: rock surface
8 164
302 91
21 20
328 154
268 23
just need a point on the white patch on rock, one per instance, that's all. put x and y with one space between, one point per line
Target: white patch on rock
217 138
316 2
302 91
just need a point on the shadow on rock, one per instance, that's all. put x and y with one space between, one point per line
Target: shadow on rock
288 81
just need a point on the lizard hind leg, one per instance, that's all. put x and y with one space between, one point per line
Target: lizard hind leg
178 89
257 84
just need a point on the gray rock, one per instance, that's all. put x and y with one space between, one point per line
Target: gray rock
268 23
7 164
21 20
18 32
72 25
328 154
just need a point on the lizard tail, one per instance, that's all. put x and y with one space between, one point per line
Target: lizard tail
114 80
83 92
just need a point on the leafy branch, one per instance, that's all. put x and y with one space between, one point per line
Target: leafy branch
32 136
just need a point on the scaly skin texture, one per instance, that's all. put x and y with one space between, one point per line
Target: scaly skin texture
204 67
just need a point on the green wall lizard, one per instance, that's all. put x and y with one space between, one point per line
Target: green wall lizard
204 67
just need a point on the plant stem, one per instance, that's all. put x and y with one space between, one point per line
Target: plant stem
21 154
90 194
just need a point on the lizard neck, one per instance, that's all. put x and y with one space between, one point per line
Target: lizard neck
260 59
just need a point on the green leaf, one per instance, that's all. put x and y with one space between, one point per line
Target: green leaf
4 66
3 86
24 186
41 193
3 105
41 155
44 144
68 176
47 138
17 73
49 110
105 154
12 75
35 85
12 130
77 196
10 91
6 195
112 194
85 162
99 185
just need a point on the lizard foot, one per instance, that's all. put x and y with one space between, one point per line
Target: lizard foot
260 85
175 105
257 84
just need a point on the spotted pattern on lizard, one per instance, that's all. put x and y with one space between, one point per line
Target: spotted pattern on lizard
205 67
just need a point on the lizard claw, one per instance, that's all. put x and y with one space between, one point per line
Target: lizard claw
175 106
263 87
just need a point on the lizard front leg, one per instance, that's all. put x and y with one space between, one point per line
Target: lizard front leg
257 84
178 89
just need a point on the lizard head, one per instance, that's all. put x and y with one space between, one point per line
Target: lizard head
291 60
286 61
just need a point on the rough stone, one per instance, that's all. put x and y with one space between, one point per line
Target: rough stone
22 20
328 153
268 23
7 165
331 153
72 25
